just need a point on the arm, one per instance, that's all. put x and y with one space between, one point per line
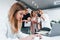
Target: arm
22 35
29 19
24 20
43 18
31 37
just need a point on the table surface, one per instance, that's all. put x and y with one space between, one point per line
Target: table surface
49 38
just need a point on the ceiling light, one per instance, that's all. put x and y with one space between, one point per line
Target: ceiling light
33 2
37 6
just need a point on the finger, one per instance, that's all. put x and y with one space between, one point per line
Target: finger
39 35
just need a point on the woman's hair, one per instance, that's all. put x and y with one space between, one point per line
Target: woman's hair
32 13
40 11
12 12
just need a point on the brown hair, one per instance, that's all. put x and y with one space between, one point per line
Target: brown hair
32 13
13 10
40 11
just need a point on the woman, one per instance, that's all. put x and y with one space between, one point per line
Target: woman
12 29
45 22
34 22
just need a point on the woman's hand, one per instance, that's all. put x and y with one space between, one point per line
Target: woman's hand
25 21
29 19
31 37
38 35
43 18
34 21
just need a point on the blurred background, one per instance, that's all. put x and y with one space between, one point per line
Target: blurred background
50 7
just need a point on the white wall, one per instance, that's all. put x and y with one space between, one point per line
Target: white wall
4 8
54 13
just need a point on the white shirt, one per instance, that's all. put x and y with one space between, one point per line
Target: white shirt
46 22
6 33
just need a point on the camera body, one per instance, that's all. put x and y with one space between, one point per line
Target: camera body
39 15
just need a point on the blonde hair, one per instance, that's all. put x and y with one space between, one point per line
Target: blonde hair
32 13
13 10
40 11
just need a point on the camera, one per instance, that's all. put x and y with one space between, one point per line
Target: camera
39 15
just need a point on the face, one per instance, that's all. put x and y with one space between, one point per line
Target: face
34 14
26 11
19 14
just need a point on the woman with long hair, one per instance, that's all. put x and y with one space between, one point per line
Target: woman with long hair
45 21
12 29
34 22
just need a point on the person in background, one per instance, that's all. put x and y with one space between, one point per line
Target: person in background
45 22
26 19
34 22
39 21
11 30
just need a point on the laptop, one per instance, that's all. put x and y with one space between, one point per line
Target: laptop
55 31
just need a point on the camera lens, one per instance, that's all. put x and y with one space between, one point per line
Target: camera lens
38 15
